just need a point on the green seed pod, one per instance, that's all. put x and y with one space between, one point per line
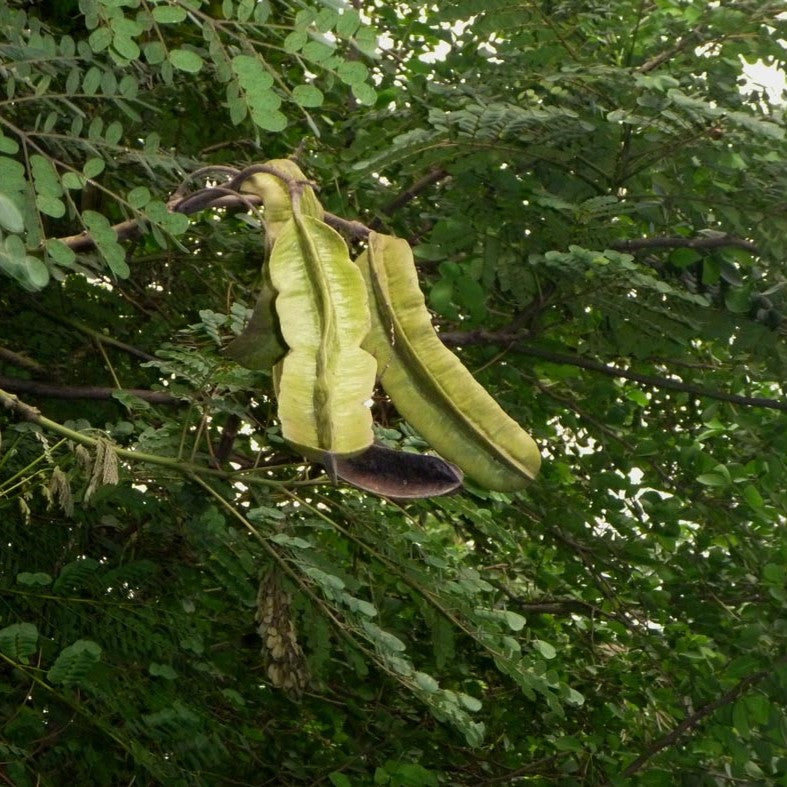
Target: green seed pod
325 380
429 385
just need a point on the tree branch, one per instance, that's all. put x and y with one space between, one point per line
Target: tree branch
692 38
82 391
133 228
465 338
696 718
84 241
223 197
22 361
408 195
193 203
355 229
219 197
537 767
30 413
568 606
669 242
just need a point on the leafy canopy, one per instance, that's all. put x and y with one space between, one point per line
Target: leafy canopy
596 203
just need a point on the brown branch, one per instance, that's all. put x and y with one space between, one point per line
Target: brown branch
537 767
133 228
567 606
226 197
355 229
84 242
668 242
558 606
408 195
222 197
82 391
696 718
465 338
690 39
22 361
202 200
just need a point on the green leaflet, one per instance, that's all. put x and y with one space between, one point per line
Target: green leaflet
429 385
259 346
326 379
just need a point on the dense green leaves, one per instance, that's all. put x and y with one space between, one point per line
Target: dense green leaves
19 641
74 664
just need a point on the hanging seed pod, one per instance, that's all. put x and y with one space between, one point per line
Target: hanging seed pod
400 475
326 379
309 321
429 385
327 327
285 662
260 344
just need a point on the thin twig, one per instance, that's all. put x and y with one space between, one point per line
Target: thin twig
30 413
696 718
560 606
466 338
93 333
535 767
691 38
408 195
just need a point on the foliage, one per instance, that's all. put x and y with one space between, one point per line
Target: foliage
597 211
